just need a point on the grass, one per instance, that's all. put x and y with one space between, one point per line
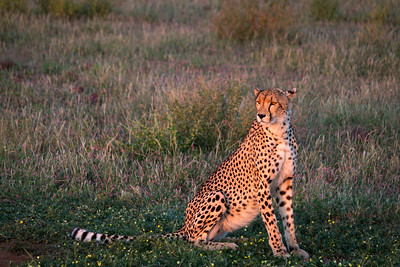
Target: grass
112 123
243 20
58 8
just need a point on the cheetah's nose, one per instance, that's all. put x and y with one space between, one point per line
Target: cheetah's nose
261 116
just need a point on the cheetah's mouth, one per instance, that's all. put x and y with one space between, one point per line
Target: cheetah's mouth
267 120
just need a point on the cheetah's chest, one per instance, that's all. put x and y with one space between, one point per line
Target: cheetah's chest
286 161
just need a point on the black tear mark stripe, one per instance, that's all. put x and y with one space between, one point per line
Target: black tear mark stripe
288 178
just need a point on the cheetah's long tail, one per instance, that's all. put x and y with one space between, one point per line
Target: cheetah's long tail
84 235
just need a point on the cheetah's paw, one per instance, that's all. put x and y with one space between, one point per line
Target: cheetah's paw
282 254
301 253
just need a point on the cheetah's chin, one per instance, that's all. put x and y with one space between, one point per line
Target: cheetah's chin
268 123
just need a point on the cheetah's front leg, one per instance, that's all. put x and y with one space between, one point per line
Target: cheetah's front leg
267 212
284 196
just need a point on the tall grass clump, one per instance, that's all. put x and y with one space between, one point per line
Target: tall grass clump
227 117
324 9
385 13
68 8
184 123
243 20
13 6
186 12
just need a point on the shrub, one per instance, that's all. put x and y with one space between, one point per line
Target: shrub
227 117
184 122
151 135
13 6
324 9
68 8
385 14
243 20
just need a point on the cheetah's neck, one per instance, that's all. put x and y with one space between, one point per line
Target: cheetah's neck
278 131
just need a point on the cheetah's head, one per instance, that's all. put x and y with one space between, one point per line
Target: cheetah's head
274 106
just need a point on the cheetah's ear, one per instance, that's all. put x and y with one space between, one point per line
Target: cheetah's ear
256 92
291 93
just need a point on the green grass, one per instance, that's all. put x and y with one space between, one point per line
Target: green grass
112 123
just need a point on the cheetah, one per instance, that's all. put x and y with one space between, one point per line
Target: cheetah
243 186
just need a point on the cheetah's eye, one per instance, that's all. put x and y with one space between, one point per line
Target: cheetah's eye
258 103
274 103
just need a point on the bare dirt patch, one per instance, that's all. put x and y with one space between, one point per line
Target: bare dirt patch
16 253
8 256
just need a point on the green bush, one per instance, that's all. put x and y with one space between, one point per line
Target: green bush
184 123
385 14
227 117
13 6
150 135
68 8
324 9
243 20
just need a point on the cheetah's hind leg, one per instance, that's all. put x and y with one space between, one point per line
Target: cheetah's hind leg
206 226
